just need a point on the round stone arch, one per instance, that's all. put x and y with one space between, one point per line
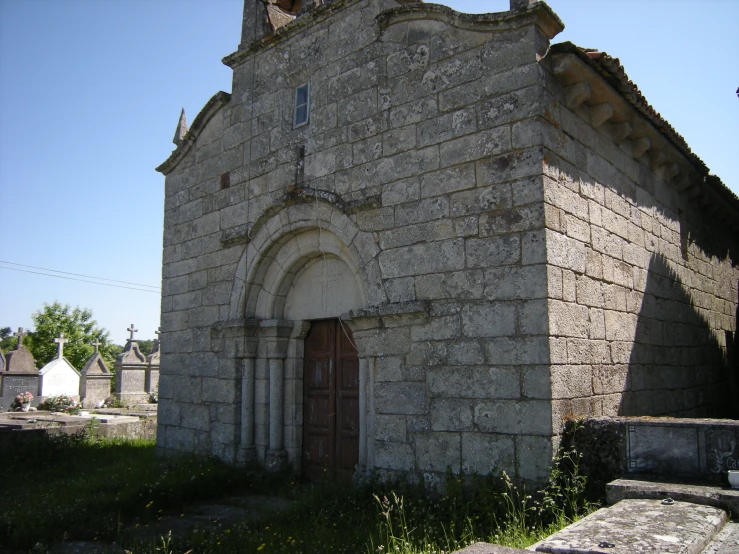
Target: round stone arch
291 241
278 281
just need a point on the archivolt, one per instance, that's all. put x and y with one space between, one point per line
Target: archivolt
285 243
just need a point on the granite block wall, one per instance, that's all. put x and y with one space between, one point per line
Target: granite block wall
511 263
642 279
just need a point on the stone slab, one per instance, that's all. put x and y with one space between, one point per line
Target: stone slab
17 383
487 548
663 448
639 526
106 418
726 541
139 410
724 497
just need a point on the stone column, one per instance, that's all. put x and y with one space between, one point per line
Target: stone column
359 321
247 451
363 411
273 342
236 340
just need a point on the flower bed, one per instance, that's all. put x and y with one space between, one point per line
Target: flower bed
61 403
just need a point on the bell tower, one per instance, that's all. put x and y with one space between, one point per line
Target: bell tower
263 17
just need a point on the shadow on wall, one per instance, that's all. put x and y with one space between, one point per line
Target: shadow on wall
677 366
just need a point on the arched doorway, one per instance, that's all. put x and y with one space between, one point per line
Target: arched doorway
314 266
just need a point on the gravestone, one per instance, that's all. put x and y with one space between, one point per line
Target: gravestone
20 373
152 370
59 376
95 380
131 368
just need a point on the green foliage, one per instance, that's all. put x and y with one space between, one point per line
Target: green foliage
145 346
79 329
81 487
84 488
7 340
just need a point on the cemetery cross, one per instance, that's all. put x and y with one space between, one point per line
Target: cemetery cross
60 341
20 334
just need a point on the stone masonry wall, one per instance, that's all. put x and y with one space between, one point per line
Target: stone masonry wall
642 281
516 264
422 114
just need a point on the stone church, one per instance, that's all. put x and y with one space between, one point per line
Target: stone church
412 240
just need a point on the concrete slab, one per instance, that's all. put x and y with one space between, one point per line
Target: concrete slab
725 497
639 526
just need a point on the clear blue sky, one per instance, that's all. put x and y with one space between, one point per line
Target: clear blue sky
90 92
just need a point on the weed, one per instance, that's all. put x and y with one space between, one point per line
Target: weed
80 488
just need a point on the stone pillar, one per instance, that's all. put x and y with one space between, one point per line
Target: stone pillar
236 340
359 322
273 342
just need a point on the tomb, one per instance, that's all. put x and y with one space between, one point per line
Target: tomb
20 375
95 380
59 377
131 368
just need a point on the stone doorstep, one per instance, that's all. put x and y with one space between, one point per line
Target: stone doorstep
639 526
725 497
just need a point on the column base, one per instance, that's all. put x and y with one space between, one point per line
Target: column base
275 460
247 456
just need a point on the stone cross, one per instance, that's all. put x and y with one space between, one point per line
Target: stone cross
158 332
96 344
132 330
20 334
60 341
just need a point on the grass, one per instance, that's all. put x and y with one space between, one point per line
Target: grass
85 489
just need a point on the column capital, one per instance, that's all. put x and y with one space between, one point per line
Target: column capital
235 338
273 338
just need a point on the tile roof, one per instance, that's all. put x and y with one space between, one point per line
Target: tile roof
613 72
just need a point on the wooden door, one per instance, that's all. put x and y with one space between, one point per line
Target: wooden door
330 401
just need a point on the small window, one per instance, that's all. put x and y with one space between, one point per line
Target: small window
225 180
302 105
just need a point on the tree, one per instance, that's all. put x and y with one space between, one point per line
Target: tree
145 346
7 340
79 329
